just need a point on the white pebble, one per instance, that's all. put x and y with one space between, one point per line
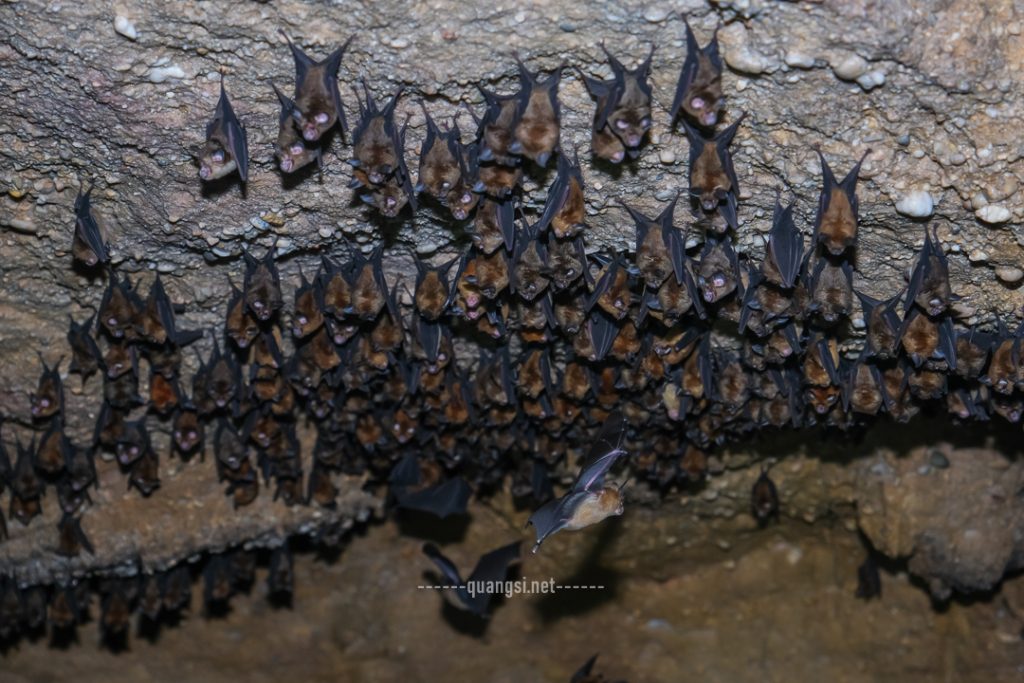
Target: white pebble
325 232
1009 274
666 156
125 27
799 60
993 213
871 80
400 43
977 256
917 204
746 61
161 74
850 68
655 14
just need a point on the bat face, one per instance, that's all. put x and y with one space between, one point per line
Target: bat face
317 100
920 338
292 151
119 359
564 209
87 245
569 314
929 282
119 309
308 316
537 128
496 133
566 261
832 290
497 181
187 430
262 288
865 389
612 291
48 398
432 294
718 270
239 324
226 149
628 106
604 143
529 264
71 539
699 89
836 225
972 352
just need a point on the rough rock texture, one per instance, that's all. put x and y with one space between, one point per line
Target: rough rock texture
120 94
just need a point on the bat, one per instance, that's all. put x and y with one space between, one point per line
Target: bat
187 430
612 291
831 290
655 244
239 324
369 290
48 398
262 286
33 607
496 180
496 130
151 599
589 501
564 210
923 338
717 270
218 585
869 582
883 326
227 146
119 309
376 150
223 378
604 143
292 151
492 567
862 389
317 99
26 485
627 109
821 362
388 333
411 492
432 296
243 567
836 223
71 538
733 385
534 373
529 264
972 353
537 116
88 245
929 281
281 575
308 314
155 322
569 313
441 163
713 183
927 384
1003 368
53 451
116 610
626 344
85 354
566 261
176 588
784 253
494 226
699 89
764 498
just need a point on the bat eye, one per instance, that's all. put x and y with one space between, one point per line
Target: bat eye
258 305
112 322
621 124
645 123
322 118
697 103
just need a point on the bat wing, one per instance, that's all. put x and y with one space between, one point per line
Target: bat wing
540 482
406 472
552 516
447 567
603 454
688 72
493 566
557 195
583 673
443 500
947 342
603 331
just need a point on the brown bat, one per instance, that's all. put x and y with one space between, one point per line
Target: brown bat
54 450
292 151
85 354
923 338
376 149
496 131
627 110
262 286
836 224
369 290
713 183
699 89
187 430
537 116
317 99
529 263
927 384
309 305
612 291
432 296
239 323
831 290
929 282
567 261
119 309
88 245
48 398
227 147
604 143
862 390
972 352
883 326
494 226
564 211
119 359
656 242
718 270
784 253
72 539
26 486
440 160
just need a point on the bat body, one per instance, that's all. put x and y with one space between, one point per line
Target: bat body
869 583
412 492
564 211
836 223
713 183
537 116
699 89
929 281
764 498
589 501
784 254
529 264
87 244
85 354
717 271
440 161
491 568
317 99
831 290
227 147
262 288
292 151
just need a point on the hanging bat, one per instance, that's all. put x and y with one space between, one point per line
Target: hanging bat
529 264
821 362
1003 368
119 308
589 501
368 287
281 574
699 89
25 484
411 492
612 291
494 226
71 538
564 211
187 431
923 338
537 116
492 567
239 323
227 147
496 180
929 282
48 398
655 244
432 295
308 314
440 160
883 326
54 450
292 151
496 131
831 290
375 144
713 183
604 143
836 223
87 244
784 253
317 99
627 110
717 271
972 352
567 261
85 354
764 498
862 388
262 286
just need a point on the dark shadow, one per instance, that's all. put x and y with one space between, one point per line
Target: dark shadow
213 189
570 603
63 638
427 527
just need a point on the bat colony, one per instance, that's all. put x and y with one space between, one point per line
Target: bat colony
568 340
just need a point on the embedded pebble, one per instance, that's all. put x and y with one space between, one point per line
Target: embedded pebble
1009 274
938 460
400 43
917 203
851 68
426 248
125 27
799 60
871 80
325 232
993 213
166 267
667 156
977 256
163 73
567 27
655 14
746 60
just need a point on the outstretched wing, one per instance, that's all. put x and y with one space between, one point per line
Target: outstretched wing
603 454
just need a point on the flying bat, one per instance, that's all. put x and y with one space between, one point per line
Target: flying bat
492 567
